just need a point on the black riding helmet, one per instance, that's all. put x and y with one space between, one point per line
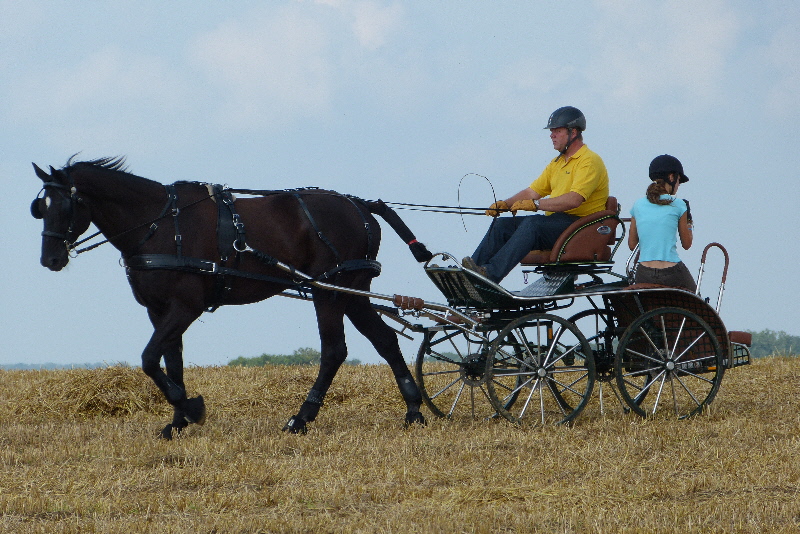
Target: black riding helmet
665 164
566 117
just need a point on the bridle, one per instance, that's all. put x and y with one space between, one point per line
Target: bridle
67 208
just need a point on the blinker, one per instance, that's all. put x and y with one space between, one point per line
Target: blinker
35 211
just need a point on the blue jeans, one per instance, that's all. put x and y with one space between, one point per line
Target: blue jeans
509 239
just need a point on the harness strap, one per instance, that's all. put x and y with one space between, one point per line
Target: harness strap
367 226
230 240
172 194
172 199
316 228
230 229
146 262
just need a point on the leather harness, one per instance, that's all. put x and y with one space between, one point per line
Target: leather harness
232 243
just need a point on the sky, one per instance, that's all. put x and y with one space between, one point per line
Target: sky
415 101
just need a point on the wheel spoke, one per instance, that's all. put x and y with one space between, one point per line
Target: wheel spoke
660 390
458 397
448 386
688 391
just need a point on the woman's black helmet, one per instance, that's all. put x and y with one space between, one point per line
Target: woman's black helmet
666 164
566 117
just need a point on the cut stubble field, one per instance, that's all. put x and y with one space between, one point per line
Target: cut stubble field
79 453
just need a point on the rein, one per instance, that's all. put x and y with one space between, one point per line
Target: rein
400 205
170 209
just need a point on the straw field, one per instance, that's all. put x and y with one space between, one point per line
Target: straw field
78 453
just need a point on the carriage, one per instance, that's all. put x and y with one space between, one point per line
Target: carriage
524 355
191 247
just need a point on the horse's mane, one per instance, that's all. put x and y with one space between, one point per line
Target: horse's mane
114 163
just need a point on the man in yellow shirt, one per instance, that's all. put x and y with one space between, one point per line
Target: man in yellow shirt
573 185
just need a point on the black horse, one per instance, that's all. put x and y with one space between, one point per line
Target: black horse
190 247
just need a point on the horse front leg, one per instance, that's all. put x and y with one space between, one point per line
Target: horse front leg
187 411
333 353
167 342
369 323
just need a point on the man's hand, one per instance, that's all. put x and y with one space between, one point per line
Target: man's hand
524 205
497 208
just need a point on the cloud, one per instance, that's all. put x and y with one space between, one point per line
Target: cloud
110 97
267 66
517 90
783 58
274 66
372 24
674 51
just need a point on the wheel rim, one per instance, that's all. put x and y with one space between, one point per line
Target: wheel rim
541 370
450 372
669 361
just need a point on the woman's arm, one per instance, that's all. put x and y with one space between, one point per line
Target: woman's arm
685 231
633 235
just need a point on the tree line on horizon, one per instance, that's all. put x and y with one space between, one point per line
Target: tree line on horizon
302 356
765 343
771 343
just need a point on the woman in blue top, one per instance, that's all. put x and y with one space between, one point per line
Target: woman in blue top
656 223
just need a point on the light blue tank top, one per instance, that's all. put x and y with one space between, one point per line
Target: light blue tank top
657 227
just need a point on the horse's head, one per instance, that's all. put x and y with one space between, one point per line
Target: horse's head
64 214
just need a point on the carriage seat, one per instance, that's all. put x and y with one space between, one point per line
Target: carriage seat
589 239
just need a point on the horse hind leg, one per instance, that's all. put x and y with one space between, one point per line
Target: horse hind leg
369 323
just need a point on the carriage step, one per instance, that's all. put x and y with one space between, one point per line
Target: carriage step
550 284
466 288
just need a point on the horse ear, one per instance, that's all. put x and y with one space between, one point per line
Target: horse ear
40 173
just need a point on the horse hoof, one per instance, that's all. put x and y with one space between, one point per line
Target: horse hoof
295 425
170 431
194 410
415 417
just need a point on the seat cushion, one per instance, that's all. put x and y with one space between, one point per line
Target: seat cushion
590 243
742 338
537 257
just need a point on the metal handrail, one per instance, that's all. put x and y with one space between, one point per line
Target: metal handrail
724 272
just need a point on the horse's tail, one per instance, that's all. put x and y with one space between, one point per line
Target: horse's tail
379 207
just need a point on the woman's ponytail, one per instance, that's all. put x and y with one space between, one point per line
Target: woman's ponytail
658 188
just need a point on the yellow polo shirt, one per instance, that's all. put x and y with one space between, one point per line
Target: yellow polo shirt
584 173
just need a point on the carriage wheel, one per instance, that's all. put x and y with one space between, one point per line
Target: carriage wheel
600 327
451 372
669 360
542 370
